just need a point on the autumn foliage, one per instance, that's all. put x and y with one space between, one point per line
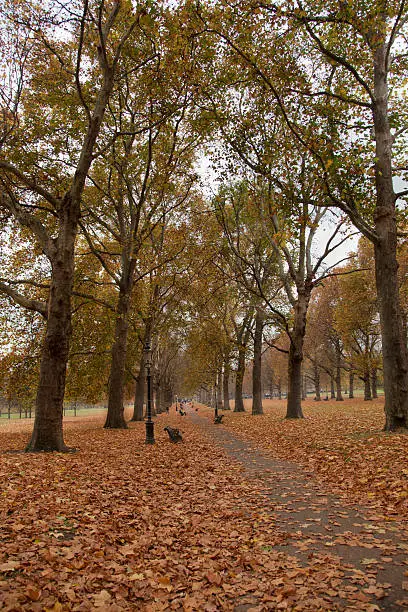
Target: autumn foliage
124 526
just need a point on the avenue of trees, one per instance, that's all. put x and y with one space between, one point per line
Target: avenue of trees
193 175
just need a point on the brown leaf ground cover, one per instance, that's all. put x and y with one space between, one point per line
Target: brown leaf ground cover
342 443
122 526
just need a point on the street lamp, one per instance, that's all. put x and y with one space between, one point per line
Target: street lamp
149 423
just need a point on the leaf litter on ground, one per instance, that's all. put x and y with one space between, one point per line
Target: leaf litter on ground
124 526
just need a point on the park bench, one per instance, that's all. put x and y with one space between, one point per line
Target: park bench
218 419
174 434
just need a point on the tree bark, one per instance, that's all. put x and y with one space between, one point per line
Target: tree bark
219 390
395 360
139 392
47 433
160 401
225 383
339 396
374 381
294 404
304 394
257 407
332 391
239 380
316 380
367 386
115 419
351 384
168 395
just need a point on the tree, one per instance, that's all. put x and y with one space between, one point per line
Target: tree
267 244
357 321
65 81
341 114
257 368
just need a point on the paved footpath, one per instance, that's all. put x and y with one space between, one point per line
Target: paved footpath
316 522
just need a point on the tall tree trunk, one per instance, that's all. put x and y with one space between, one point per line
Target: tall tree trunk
316 380
294 404
160 403
374 380
225 383
304 392
47 433
339 396
351 384
219 390
394 349
332 391
279 387
239 380
139 391
367 386
257 369
168 395
115 419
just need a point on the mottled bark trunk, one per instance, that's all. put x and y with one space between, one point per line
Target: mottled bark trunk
316 380
168 395
294 404
239 380
225 382
339 396
332 391
257 369
367 386
47 433
394 347
294 407
374 382
304 393
219 390
351 384
115 419
139 391
160 401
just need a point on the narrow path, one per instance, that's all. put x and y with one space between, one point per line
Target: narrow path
315 522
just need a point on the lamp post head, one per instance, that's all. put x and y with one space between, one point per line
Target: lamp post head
147 354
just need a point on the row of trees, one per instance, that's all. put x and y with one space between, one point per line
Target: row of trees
106 108
342 344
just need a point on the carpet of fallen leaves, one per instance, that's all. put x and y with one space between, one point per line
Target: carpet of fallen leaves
124 526
341 443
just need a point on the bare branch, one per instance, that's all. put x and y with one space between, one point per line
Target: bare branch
22 300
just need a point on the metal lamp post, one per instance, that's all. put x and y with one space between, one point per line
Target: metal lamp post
149 423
